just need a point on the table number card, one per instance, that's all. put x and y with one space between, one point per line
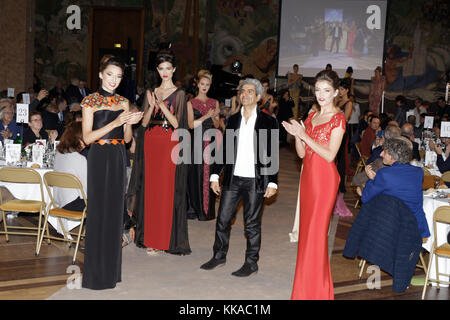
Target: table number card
22 113
12 152
26 98
430 158
445 129
11 93
38 154
428 124
228 103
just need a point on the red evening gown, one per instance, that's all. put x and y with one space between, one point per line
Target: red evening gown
318 186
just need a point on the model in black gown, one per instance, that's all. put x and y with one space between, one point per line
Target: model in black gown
107 127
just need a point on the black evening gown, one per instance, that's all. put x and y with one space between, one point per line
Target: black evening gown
106 196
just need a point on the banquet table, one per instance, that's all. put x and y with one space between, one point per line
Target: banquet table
430 204
33 192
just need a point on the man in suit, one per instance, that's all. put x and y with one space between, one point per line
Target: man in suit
250 175
336 35
73 93
84 91
398 179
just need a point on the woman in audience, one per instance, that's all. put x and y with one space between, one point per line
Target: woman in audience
69 160
35 130
203 115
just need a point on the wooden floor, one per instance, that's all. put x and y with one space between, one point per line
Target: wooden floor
23 276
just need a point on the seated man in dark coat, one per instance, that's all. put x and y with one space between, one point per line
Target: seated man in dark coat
398 179
385 233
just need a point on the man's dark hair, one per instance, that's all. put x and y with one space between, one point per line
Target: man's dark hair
400 99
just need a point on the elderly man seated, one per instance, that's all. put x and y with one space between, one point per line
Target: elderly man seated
375 162
443 165
8 126
398 179
408 132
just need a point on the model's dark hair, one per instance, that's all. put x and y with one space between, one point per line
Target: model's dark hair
345 83
330 76
166 56
109 60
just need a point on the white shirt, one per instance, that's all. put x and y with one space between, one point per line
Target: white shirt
245 160
354 119
417 114
75 164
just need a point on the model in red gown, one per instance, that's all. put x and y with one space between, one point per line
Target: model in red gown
318 186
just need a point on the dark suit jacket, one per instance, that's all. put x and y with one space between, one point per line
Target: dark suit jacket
263 149
73 94
404 182
51 122
385 233
333 30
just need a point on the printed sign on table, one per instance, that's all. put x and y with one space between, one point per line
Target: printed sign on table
428 124
11 93
22 113
38 154
12 153
445 129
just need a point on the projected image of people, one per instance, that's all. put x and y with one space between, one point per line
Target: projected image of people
344 32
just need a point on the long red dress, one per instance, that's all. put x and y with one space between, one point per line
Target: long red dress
165 221
318 186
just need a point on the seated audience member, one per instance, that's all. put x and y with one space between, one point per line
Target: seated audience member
69 160
73 93
8 126
398 179
402 108
408 132
419 130
418 110
364 122
443 108
58 90
393 123
375 162
369 136
443 165
36 131
391 131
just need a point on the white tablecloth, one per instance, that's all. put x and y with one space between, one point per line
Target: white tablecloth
33 192
429 206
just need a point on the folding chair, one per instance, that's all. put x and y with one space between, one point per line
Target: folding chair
362 159
446 176
441 215
64 180
23 176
